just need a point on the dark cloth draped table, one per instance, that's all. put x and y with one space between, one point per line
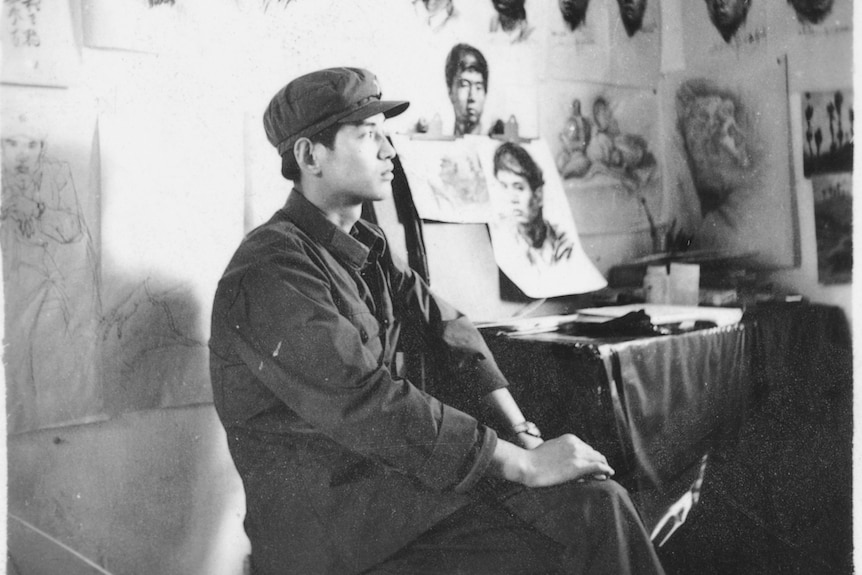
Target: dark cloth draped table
769 399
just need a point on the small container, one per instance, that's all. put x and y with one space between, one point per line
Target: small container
656 284
684 284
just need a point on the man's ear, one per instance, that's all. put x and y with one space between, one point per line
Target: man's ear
304 153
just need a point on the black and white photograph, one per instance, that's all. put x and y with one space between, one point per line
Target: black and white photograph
450 287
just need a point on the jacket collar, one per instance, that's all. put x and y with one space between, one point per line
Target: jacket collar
355 249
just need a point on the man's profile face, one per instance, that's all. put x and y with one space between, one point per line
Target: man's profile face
632 14
21 154
727 15
525 203
359 166
467 94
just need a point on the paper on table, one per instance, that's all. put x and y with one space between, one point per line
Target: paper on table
664 314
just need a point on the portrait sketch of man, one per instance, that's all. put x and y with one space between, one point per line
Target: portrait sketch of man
727 15
735 187
533 232
510 19
467 82
632 14
436 14
574 12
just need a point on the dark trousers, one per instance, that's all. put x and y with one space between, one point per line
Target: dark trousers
576 528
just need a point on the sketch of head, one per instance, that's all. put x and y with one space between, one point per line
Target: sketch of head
574 12
23 146
521 178
812 11
21 154
632 14
715 134
510 9
727 15
467 80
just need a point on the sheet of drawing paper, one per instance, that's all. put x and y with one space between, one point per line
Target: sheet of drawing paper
577 40
49 225
605 143
38 43
171 218
815 29
733 31
636 42
535 240
446 179
153 26
728 162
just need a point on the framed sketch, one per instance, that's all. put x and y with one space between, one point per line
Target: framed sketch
833 227
728 163
533 234
827 125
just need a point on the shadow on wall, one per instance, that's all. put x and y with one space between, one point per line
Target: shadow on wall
154 351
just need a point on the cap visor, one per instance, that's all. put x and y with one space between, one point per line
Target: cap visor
388 108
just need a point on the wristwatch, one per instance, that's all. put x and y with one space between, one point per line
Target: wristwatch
527 427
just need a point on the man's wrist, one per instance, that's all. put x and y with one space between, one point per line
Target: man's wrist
527 427
509 462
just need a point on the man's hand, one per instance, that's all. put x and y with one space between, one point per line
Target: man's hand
556 461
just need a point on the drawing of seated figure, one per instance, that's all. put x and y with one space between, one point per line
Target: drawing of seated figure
50 286
604 150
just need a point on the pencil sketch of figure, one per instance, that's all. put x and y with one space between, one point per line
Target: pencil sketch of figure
812 11
459 184
511 20
51 286
436 14
727 15
521 179
574 12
